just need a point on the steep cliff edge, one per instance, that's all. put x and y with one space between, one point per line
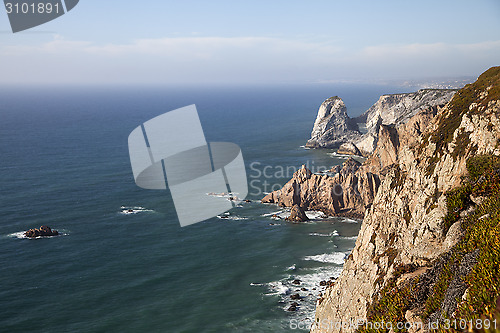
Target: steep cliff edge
419 238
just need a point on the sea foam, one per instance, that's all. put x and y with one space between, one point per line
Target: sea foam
333 258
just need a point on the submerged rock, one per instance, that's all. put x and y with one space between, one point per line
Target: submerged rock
293 307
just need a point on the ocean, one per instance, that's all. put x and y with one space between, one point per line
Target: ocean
122 262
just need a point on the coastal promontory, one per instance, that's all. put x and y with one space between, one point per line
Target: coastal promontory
334 129
428 195
428 242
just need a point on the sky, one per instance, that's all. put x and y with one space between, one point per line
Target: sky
253 42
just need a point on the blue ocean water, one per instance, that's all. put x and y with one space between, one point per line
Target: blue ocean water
64 163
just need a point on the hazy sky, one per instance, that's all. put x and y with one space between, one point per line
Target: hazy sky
237 42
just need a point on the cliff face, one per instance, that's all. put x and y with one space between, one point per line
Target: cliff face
333 128
349 190
397 109
405 225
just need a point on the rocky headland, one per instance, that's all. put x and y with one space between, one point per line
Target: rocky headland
334 129
429 195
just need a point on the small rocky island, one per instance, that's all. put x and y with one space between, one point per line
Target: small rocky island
43 231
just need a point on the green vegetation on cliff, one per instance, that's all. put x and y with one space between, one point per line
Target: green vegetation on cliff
464 282
431 293
472 99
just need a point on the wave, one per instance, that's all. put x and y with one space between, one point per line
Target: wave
348 220
331 234
314 214
231 196
21 235
341 156
308 283
333 258
126 210
277 215
228 216
273 213
284 213
349 237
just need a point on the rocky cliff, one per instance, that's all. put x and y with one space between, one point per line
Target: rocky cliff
345 190
430 196
348 190
431 229
333 128
397 109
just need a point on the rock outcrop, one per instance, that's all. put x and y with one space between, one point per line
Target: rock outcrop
43 231
297 214
343 191
419 161
333 126
397 109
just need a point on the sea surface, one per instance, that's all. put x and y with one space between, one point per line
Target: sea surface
122 262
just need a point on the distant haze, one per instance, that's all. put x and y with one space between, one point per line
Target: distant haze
256 42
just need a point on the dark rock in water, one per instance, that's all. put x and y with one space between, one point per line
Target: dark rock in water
295 296
304 289
43 231
322 283
296 281
292 308
247 201
297 214
276 216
